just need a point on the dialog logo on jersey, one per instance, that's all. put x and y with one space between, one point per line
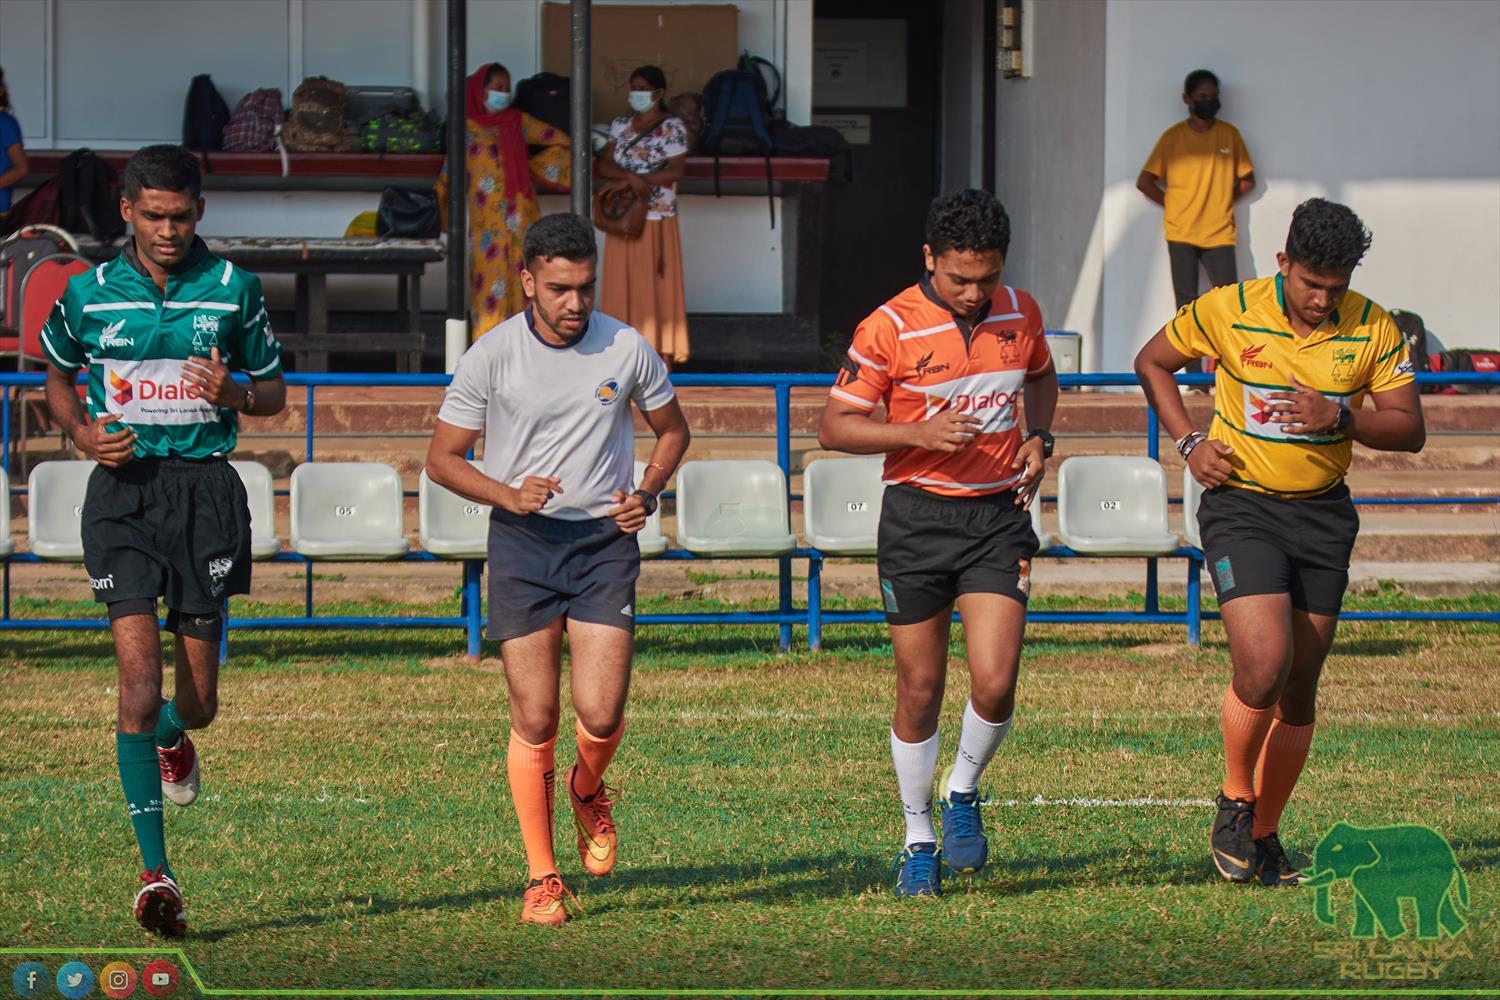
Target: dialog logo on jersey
123 390
1260 410
990 397
608 391
154 392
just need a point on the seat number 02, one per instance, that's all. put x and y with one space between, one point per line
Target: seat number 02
1109 505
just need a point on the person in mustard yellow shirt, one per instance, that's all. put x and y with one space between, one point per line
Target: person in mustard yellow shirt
1198 169
1298 354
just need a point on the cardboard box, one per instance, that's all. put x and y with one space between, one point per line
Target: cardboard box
690 43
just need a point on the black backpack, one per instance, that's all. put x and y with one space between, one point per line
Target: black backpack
205 116
735 112
547 97
88 196
815 141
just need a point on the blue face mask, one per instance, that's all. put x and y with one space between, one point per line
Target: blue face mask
640 100
496 100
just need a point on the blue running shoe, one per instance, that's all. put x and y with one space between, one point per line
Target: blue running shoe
965 846
918 872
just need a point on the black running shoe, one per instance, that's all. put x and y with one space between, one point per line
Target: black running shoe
1272 865
1232 847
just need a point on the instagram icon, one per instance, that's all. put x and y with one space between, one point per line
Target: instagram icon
117 980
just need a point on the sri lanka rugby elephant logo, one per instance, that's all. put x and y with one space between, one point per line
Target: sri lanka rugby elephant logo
1384 865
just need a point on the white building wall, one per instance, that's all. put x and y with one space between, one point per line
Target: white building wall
53 51
1391 108
1050 165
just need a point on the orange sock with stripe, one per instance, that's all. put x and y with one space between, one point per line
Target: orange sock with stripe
532 768
1280 765
594 755
1244 735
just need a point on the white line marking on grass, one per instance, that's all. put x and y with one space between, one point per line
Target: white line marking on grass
1146 801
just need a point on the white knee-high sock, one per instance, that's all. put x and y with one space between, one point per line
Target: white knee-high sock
976 748
915 763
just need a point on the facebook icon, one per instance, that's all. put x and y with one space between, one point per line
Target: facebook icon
29 979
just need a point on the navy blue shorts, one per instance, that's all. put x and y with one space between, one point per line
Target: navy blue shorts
542 568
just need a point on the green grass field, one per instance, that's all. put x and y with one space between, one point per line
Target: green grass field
356 833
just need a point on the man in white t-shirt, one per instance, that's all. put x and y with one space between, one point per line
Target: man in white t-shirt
551 388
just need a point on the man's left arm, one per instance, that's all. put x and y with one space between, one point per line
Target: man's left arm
672 438
257 353
1244 171
1394 425
1039 397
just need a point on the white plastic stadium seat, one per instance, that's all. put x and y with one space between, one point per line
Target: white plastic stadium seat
56 502
1192 494
733 508
651 540
1113 505
347 510
1044 539
841 500
449 526
6 545
262 496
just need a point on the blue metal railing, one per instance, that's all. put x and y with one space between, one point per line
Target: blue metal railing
812 615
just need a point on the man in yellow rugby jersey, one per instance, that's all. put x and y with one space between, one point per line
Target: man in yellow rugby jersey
1297 355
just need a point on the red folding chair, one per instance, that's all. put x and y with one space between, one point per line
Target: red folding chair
43 284
19 253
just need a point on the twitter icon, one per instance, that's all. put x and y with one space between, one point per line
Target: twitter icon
75 980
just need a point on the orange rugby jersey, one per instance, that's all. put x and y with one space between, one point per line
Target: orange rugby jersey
911 354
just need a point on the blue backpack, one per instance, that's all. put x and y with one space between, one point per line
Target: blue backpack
735 110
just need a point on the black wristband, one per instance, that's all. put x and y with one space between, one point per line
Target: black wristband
649 500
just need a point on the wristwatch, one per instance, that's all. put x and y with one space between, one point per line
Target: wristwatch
249 403
1047 441
1346 419
649 500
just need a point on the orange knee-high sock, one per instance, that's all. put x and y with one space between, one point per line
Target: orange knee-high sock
531 767
1244 735
1280 764
594 755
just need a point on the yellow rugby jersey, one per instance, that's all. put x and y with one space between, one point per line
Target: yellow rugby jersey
1356 351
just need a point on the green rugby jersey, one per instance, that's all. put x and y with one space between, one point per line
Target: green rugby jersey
134 340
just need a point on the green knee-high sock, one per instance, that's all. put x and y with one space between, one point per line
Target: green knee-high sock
140 777
169 727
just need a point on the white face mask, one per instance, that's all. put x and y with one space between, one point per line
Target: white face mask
496 100
640 100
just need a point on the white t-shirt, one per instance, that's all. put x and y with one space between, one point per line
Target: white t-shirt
559 411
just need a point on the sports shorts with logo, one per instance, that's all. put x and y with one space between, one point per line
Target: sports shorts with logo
1255 543
542 568
169 528
931 548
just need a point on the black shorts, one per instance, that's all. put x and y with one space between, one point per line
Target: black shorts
1254 543
930 549
542 568
169 528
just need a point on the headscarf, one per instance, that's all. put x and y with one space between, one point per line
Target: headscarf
506 126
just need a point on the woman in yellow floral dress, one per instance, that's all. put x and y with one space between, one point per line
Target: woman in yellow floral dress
502 201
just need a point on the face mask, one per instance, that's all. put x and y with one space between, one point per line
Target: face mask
1206 109
640 100
496 100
